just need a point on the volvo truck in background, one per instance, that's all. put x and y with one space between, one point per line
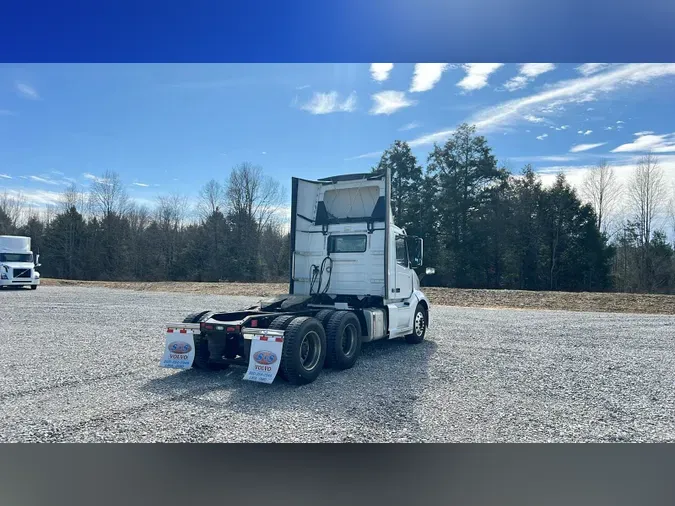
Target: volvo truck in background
352 281
17 264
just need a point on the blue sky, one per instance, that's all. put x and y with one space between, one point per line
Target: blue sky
170 128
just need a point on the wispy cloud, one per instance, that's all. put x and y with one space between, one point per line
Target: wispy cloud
477 75
427 139
644 132
620 122
388 102
372 154
427 75
327 103
303 87
527 73
380 71
587 132
585 147
588 69
648 141
5 176
577 90
562 127
142 185
92 177
533 119
57 172
27 91
39 179
6 112
609 128
409 126
542 137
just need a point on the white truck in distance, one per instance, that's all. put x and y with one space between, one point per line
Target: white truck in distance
17 266
352 281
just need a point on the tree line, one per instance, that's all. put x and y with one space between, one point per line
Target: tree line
483 226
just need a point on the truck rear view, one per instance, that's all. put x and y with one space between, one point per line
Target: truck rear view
352 281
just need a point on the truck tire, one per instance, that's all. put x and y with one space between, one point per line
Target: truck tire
281 322
343 340
202 354
33 287
324 315
304 350
419 326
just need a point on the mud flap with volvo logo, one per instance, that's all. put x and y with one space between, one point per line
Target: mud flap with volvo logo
265 354
179 349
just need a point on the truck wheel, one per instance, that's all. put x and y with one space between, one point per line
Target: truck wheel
281 322
343 340
324 315
33 287
419 326
202 354
304 350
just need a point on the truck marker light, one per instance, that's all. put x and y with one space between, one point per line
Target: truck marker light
183 331
208 326
169 330
229 329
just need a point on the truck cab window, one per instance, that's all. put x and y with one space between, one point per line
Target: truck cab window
401 251
347 243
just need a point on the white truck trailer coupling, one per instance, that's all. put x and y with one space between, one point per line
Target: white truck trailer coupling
17 265
352 281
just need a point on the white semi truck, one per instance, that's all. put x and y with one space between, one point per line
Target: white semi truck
352 281
17 265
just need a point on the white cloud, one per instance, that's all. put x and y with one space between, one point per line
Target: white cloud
303 87
94 178
588 69
388 102
27 91
527 73
533 119
39 179
577 90
380 71
477 75
585 147
327 103
645 132
427 76
590 109
142 185
372 154
542 137
424 140
5 176
264 152
564 127
609 128
649 142
587 132
409 126
619 122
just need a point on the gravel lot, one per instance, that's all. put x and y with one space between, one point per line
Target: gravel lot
81 365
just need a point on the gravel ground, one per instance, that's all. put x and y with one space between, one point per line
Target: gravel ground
81 365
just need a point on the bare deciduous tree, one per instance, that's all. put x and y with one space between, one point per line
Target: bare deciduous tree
211 199
252 195
601 188
108 195
647 195
13 206
72 197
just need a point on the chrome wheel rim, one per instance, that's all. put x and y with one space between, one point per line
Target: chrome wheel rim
419 324
349 340
310 350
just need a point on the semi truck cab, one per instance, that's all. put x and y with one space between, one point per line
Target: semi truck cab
17 262
352 280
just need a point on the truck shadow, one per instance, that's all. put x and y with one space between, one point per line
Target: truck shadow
380 391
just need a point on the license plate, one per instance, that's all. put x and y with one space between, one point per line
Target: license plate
179 350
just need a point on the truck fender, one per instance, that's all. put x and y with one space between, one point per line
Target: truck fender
422 299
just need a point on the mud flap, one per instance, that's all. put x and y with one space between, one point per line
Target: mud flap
264 358
179 349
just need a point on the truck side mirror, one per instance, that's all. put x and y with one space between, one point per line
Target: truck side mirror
37 261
